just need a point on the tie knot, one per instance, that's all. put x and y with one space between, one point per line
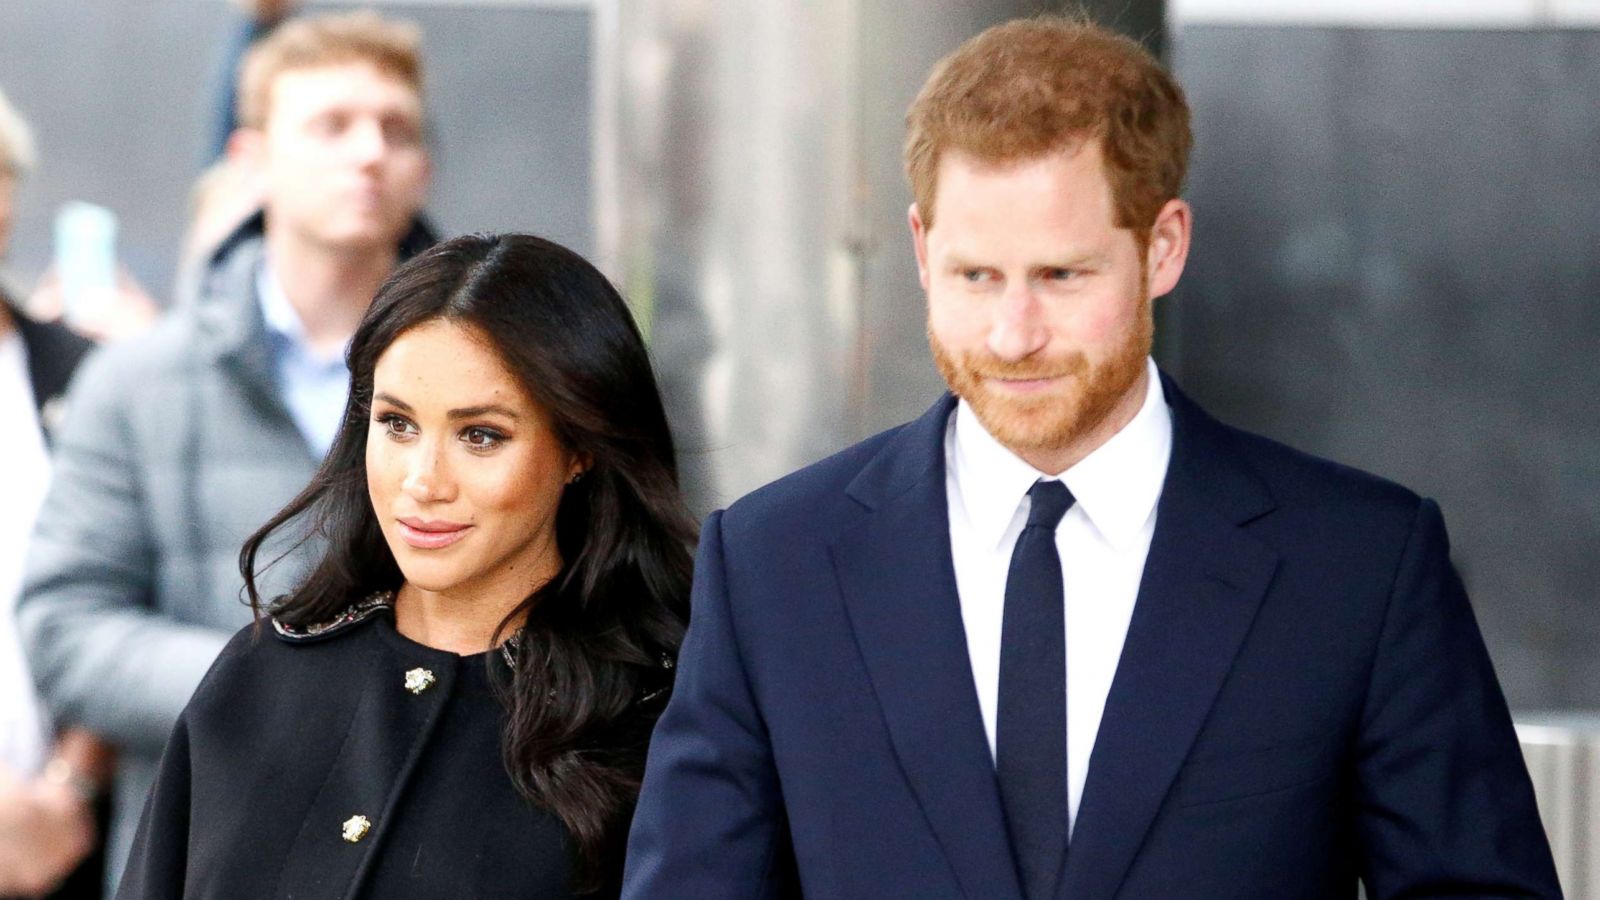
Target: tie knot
1051 500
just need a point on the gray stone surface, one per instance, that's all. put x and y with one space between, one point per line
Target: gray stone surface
1397 260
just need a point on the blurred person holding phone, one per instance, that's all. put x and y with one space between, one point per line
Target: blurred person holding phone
179 443
48 783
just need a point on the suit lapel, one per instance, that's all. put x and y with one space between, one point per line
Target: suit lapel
1203 582
899 587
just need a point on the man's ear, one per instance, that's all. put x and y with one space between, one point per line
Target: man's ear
244 145
1169 246
246 153
919 242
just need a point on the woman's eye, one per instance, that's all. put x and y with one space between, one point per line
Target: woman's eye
482 438
396 426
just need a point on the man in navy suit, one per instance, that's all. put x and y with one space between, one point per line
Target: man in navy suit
1067 636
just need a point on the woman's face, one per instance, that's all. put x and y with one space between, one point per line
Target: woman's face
463 469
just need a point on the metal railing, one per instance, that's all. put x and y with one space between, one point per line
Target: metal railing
1563 755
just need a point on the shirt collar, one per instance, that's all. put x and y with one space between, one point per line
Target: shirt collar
282 322
1116 486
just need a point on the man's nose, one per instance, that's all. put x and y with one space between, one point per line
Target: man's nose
367 142
1018 329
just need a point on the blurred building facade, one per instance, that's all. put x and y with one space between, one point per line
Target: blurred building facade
1398 216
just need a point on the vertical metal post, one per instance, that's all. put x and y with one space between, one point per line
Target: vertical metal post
750 204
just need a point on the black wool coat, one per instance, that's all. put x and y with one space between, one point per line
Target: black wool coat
293 764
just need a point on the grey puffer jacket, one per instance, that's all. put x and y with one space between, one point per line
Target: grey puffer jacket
176 446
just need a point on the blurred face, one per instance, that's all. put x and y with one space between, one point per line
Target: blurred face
341 157
463 469
1038 304
8 196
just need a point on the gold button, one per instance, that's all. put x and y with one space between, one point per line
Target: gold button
419 680
356 828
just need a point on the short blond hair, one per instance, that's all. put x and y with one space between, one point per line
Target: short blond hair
16 140
392 46
1031 87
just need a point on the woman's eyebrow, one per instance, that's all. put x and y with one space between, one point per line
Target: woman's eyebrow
392 400
465 412
472 412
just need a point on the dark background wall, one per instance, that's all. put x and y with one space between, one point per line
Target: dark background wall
121 94
1397 264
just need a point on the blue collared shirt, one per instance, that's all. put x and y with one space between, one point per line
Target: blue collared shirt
314 386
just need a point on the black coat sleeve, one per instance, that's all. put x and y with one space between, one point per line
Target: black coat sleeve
160 856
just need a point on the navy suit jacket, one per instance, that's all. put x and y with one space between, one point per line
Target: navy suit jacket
1303 699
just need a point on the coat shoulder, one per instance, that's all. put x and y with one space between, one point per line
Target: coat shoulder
268 658
132 367
1298 478
247 662
803 499
1292 477
167 347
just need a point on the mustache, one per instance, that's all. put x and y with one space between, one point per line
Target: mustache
986 365
964 368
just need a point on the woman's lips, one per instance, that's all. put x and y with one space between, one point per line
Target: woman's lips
431 535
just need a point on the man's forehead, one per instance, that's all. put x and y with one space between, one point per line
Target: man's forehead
310 89
1066 184
961 164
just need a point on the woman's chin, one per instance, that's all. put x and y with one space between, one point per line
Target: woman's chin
434 578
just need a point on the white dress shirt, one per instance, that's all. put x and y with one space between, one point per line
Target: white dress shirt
26 465
314 385
1102 541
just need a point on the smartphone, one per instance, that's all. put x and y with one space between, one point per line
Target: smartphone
86 259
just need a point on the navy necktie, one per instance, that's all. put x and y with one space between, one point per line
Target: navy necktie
1031 724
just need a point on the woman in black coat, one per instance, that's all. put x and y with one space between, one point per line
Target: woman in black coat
457 699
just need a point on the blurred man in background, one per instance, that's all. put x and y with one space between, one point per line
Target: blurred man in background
48 783
179 444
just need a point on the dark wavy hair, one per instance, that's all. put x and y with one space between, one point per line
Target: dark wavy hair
595 651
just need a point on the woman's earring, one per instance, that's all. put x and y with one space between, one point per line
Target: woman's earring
576 477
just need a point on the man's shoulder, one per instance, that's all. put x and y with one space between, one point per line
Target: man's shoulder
184 340
809 495
166 352
1299 479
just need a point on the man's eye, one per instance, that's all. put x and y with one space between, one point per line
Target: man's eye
330 124
401 133
482 438
975 276
1057 276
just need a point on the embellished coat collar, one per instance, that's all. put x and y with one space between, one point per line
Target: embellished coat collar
362 610
383 602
